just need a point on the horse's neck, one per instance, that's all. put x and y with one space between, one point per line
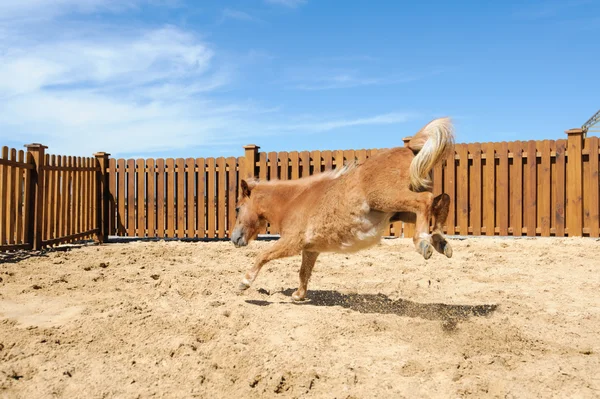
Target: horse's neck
274 199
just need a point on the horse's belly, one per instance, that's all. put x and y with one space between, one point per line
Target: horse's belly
350 235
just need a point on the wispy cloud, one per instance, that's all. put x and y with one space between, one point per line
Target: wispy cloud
312 79
327 125
548 9
287 3
44 9
230 13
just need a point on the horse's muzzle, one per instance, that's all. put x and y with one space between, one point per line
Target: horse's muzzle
238 240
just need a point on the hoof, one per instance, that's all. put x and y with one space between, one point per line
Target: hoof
425 249
448 251
296 297
244 285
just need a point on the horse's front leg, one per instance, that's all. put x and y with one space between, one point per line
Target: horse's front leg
440 209
308 262
280 249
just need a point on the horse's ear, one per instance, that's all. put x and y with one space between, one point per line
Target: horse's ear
245 189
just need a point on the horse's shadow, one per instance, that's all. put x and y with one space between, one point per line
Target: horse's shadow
379 303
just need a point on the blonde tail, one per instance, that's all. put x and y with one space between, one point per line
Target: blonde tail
431 144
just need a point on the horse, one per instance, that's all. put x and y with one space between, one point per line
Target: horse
346 210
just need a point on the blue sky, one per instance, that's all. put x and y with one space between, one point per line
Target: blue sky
159 78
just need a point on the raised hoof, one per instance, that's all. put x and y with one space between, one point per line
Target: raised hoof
425 249
448 251
296 297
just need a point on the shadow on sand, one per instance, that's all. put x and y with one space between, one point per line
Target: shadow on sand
379 303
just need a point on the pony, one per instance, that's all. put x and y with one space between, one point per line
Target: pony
346 210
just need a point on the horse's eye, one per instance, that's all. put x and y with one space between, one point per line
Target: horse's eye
237 209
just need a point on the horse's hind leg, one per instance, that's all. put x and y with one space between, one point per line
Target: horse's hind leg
308 262
422 208
439 210
280 249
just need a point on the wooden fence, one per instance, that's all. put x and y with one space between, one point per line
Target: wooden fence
15 180
46 199
532 188
184 198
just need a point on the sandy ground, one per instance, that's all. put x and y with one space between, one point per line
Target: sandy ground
502 318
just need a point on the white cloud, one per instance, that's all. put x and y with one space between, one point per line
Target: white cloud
287 3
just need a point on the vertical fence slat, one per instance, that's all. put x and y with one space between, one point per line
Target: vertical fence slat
502 189
121 216
284 160
545 181
19 199
77 195
201 197
361 155
462 191
516 188
46 225
60 185
222 187
450 187
131 197
140 165
327 160
54 191
190 208
305 164
221 192
476 188
232 190
593 192
531 193
160 198
295 165
170 203
70 216
531 218
27 211
95 197
210 209
151 197
317 162
3 197
180 228
559 214
262 166
490 190
273 165
574 182
78 189
112 189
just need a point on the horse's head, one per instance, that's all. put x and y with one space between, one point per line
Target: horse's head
248 218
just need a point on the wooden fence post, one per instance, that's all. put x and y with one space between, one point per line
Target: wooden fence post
102 194
574 212
251 154
36 155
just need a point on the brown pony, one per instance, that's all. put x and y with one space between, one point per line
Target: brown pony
347 209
